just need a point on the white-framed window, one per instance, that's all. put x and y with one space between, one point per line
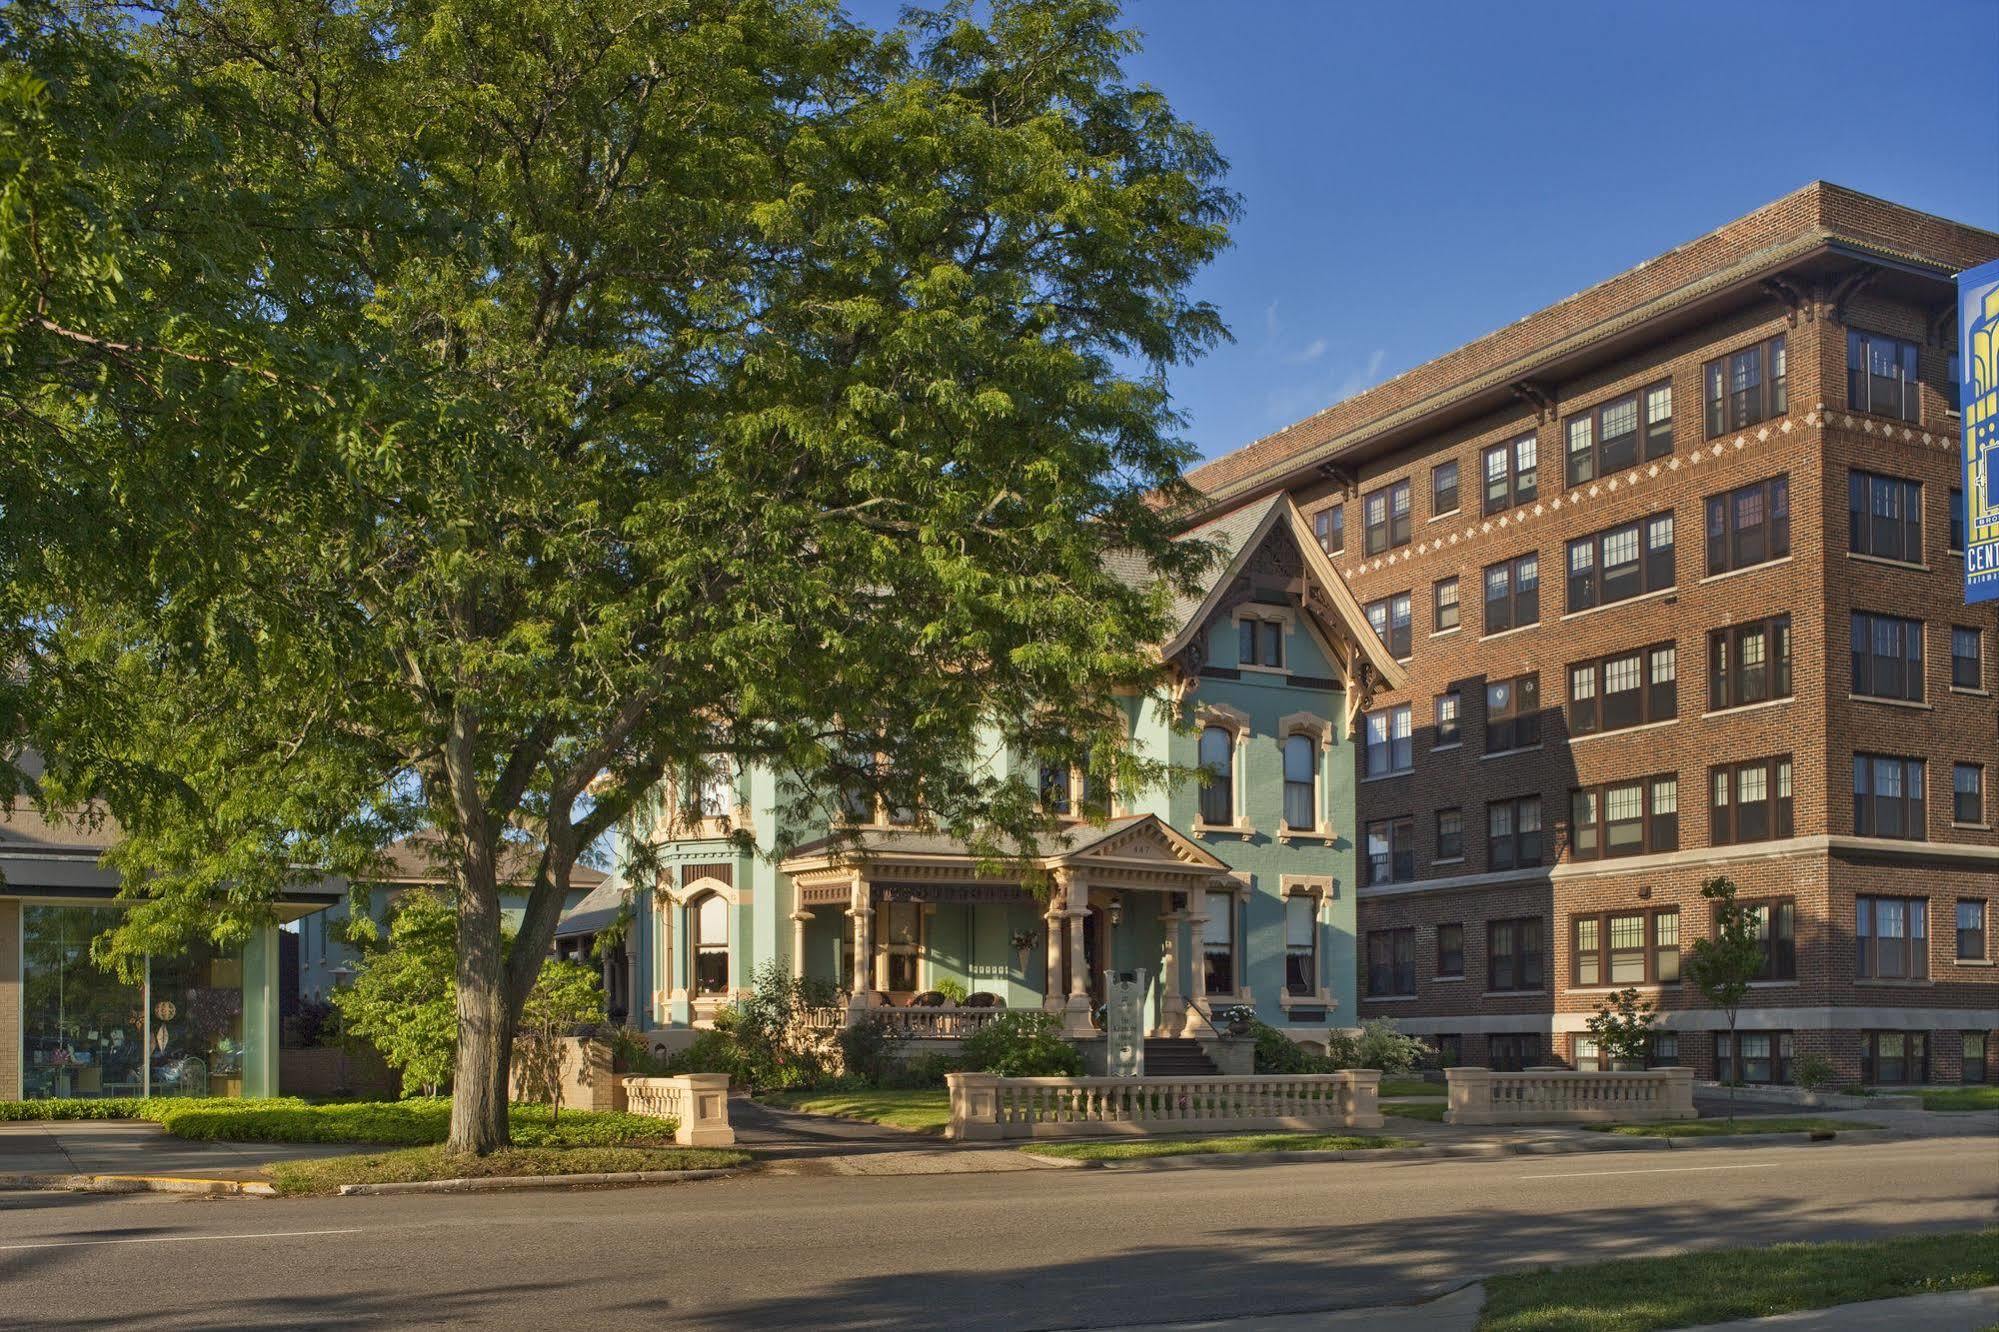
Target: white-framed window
1301 782
1218 791
709 919
1389 745
1301 944
1218 958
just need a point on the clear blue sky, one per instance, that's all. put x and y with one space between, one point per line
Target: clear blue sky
1416 173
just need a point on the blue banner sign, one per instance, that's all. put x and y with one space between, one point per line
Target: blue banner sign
1978 393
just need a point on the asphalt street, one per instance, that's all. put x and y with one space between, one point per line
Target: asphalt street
1044 1249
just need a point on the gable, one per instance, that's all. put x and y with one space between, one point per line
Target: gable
1149 842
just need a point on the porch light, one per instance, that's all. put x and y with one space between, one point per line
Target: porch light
1117 909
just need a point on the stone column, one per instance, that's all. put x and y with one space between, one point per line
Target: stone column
1172 1008
1051 982
861 910
798 920
1197 993
1076 1013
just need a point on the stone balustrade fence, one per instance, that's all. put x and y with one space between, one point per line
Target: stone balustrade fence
985 1106
698 1103
1565 1096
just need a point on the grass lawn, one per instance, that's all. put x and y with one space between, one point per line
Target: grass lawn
1410 1087
1433 1111
1637 1294
1962 1098
1717 1128
1136 1149
414 1122
923 1110
327 1174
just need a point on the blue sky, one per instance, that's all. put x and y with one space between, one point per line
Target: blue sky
1417 174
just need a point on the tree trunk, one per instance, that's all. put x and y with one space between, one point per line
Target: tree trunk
485 1029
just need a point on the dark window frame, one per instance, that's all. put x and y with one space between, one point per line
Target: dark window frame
1887 674
1437 625
1521 1049
1525 955
1658 831
1446 950
1913 1064
1871 393
1649 440
1911 805
1972 939
1729 402
1731 684
1456 721
1652 952
1443 487
1394 530
1971 677
1329 525
1730 1063
1884 516
1729 826
1658 701
1521 604
1400 640
1452 851
1516 483
1519 847
1391 962
1958 809
1518 725
1908 952
1653 567
1400 833
1733 545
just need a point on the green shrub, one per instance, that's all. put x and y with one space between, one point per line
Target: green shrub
1376 1045
1812 1072
413 1122
1022 1045
868 1049
1278 1053
924 1072
953 990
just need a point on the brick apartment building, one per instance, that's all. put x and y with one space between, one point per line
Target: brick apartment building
1675 568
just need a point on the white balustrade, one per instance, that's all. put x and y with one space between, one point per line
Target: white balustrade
986 1106
697 1102
939 1022
1564 1096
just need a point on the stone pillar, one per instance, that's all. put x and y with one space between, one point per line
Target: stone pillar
798 920
1197 993
1051 983
1076 1013
862 912
1172 1008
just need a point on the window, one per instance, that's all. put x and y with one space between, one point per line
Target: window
1055 789
1301 782
1218 943
1448 733
1967 653
1450 951
1389 618
1749 526
1630 689
1450 1049
1625 818
1513 593
1750 802
1514 955
1880 375
1387 515
1511 1052
711 945
1887 657
1301 944
1749 663
1664 1051
1330 526
1444 488
1389 746
1891 938
1511 474
716 792
1513 833
1450 834
1391 851
1512 714
1589 1054
1971 930
1259 642
1776 924
1884 517
1627 947
1766 1057
1955 541
1745 387
1972 1067
1218 793
1894 1057
1391 962
1444 599
1621 563
1967 791
1620 434
1888 797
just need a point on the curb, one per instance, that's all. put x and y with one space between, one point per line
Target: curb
498 1183
214 1188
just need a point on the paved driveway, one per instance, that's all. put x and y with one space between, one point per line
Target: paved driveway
134 1147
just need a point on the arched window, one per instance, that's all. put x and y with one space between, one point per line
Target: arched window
1218 757
1301 762
711 945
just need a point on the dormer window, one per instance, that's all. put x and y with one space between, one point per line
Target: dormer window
1260 642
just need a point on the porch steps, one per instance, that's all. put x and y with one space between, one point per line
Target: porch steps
1177 1057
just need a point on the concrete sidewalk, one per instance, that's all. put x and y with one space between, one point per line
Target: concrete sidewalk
37 1152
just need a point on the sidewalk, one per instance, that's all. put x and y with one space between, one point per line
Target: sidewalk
40 1153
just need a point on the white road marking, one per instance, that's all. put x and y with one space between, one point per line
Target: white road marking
180 1239
1664 1170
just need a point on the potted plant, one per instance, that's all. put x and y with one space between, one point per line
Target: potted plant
1623 1030
1241 1019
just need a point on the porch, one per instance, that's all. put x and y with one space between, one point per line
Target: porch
899 918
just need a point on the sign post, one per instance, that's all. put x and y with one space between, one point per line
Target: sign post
1978 400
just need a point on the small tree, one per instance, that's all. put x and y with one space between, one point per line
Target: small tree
566 996
1623 1026
1376 1045
1723 965
402 999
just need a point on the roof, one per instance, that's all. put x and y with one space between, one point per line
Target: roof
61 854
421 858
25 830
1818 219
600 908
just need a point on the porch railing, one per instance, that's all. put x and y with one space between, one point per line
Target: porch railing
698 1103
944 1022
1564 1096
986 1106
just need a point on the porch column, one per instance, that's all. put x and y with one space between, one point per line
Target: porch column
1051 982
1172 1008
1197 926
798 919
862 911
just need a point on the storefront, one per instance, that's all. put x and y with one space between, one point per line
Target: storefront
199 1022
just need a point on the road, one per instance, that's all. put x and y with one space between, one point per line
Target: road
1043 1249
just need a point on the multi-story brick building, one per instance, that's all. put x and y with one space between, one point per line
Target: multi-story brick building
1675 570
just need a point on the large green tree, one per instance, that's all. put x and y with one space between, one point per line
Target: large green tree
477 413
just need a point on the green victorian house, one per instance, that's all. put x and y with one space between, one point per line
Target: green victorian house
1238 891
